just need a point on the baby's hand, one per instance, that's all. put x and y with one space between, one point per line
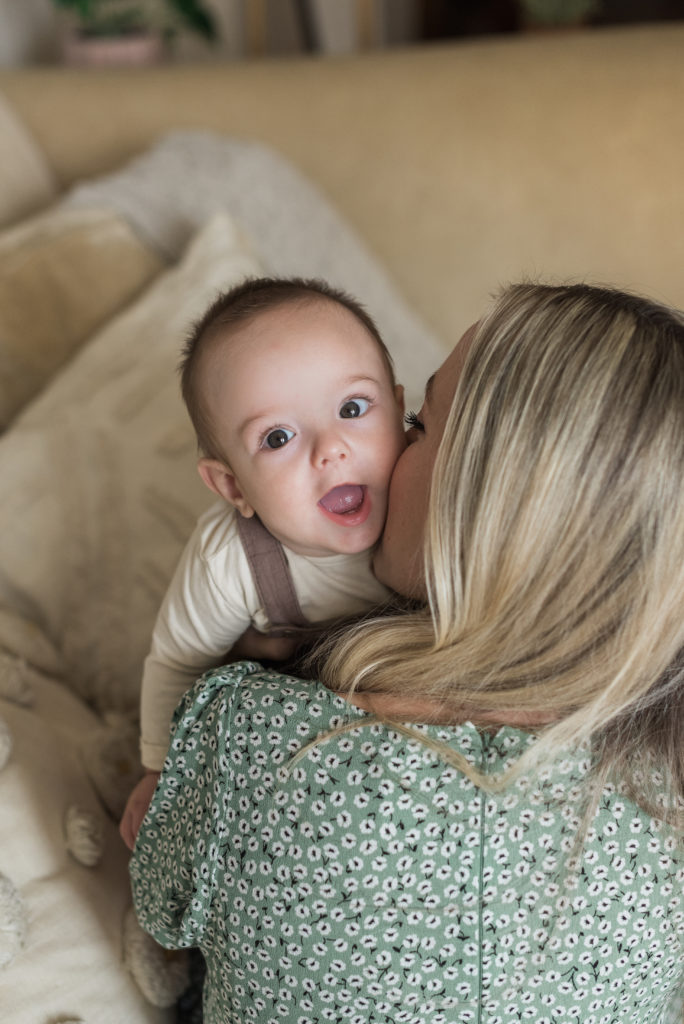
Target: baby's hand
136 807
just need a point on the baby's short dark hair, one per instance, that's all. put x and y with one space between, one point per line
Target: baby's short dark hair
240 304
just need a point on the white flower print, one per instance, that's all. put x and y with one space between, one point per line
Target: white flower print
369 881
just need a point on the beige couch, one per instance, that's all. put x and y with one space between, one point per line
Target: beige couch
461 165
458 167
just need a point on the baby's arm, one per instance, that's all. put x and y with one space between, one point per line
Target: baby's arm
198 622
261 647
251 644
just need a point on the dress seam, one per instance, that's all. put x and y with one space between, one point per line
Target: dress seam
480 900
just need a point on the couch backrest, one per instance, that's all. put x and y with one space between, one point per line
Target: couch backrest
463 165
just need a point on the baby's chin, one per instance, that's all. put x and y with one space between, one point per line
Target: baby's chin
348 542
351 546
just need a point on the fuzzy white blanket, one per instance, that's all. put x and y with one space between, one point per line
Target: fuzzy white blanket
100 495
171 191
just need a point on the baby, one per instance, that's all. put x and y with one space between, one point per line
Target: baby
299 423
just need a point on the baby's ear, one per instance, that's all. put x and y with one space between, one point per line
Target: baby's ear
218 477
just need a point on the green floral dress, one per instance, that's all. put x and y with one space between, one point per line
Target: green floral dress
370 882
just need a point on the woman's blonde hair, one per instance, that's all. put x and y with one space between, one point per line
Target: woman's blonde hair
554 550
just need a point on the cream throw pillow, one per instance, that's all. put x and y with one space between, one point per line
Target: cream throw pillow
294 228
26 180
100 486
62 274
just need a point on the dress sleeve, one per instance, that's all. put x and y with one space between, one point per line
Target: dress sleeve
183 839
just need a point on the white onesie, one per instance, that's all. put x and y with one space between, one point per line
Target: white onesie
212 599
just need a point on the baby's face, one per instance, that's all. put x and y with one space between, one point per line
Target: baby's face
304 410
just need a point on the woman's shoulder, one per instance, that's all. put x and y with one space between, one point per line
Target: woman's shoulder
245 690
243 707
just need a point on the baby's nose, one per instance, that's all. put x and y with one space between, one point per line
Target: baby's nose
331 447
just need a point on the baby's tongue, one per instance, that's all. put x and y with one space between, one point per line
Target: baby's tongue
346 498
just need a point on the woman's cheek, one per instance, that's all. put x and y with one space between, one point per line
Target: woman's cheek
398 562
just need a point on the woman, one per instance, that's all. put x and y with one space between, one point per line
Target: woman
478 815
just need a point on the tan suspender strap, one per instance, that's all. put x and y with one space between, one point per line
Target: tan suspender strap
271 575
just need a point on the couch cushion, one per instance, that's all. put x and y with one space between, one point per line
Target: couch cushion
62 274
26 180
100 486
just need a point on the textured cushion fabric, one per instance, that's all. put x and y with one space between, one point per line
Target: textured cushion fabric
100 487
98 473
171 189
61 947
26 180
62 274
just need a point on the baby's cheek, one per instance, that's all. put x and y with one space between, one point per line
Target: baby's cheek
399 445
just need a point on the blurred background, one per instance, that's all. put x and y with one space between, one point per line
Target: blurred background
88 31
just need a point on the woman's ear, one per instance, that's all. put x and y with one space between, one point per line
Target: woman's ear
399 395
218 478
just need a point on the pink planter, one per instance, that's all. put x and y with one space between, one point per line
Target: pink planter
112 51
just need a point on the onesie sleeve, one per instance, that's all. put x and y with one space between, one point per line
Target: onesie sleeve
204 612
182 841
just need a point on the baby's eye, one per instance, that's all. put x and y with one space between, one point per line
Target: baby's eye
277 438
354 407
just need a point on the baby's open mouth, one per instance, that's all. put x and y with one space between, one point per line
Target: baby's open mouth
342 500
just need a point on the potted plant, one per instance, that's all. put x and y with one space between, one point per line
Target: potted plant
128 31
557 13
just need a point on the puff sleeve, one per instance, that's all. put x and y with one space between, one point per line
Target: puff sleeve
181 848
